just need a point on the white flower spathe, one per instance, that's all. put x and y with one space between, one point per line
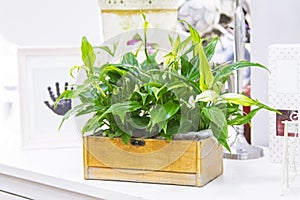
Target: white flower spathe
206 96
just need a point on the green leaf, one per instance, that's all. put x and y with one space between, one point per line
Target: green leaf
205 73
218 124
108 50
190 69
206 76
79 110
77 68
88 55
129 58
240 120
146 26
126 138
186 125
96 85
224 143
139 122
145 19
184 43
193 32
137 37
89 97
152 84
120 109
142 95
171 40
190 49
91 79
217 120
175 85
209 49
226 71
110 68
150 62
67 94
238 99
92 124
162 113
259 104
158 92
80 89
155 91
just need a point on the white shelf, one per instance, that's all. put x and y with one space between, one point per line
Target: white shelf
49 173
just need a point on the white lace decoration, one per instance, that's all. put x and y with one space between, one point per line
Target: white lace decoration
137 4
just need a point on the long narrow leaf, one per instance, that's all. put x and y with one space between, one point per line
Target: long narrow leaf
259 104
108 50
206 76
110 68
77 111
209 49
243 119
67 94
226 71
238 99
88 55
78 68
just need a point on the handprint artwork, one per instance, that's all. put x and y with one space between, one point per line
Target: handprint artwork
63 106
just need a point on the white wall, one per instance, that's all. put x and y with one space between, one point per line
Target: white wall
44 23
273 21
49 22
40 23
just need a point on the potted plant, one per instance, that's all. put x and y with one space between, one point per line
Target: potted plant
153 121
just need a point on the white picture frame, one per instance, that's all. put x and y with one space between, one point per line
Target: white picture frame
284 95
40 68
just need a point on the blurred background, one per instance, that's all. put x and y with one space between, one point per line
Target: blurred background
64 22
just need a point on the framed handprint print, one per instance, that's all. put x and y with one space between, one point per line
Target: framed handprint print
43 76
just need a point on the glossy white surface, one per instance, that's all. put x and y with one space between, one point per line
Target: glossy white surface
62 170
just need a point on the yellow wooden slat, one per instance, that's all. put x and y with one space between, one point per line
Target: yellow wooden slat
202 160
141 176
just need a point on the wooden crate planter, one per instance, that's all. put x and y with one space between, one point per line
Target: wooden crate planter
180 162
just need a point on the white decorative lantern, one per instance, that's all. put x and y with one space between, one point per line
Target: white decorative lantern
124 15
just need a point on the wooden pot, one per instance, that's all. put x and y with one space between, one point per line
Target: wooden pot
180 162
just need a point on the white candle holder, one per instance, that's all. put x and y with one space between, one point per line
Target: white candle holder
125 15
240 148
290 169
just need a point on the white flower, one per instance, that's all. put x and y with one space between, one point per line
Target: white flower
191 102
206 96
136 88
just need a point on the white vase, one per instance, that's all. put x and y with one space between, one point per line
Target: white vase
125 15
